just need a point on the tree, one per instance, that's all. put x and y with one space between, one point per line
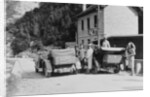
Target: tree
51 23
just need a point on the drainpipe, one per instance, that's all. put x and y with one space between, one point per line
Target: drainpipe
100 24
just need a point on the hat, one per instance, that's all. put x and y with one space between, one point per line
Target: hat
90 45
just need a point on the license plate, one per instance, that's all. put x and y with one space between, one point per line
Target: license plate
61 70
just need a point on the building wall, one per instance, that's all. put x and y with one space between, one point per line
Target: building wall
120 20
83 34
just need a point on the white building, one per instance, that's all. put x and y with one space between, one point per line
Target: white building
113 21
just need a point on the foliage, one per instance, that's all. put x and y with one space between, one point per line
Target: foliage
18 45
51 23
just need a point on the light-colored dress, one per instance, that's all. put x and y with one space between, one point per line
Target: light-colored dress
89 57
82 54
131 52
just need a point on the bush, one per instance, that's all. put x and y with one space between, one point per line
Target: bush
18 45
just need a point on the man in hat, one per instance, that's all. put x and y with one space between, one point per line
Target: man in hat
105 42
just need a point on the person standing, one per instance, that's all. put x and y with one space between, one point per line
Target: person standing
89 57
77 51
82 54
131 52
96 59
32 45
105 43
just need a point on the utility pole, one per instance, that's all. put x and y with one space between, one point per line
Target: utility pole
100 13
98 26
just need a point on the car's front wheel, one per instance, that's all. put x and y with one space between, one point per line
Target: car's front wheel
46 73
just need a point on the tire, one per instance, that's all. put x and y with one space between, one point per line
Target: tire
116 70
96 67
36 70
45 68
46 74
95 71
36 67
74 69
75 72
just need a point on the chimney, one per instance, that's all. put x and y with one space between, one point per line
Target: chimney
84 7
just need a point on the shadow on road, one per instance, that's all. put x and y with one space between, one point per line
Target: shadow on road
32 75
81 72
61 74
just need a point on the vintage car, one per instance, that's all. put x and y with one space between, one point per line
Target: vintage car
108 59
57 61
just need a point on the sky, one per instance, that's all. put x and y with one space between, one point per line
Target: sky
20 8
25 6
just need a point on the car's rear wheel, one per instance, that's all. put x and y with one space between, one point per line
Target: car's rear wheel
116 70
36 70
75 71
46 67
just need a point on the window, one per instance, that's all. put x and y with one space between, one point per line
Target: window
95 21
82 41
88 23
82 23
89 41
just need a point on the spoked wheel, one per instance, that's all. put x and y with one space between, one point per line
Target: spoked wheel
46 74
74 69
45 69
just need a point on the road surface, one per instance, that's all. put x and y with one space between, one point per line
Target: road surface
32 83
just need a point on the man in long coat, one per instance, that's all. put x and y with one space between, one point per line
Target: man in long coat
89 56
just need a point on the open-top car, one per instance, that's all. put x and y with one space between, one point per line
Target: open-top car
109 59
57 61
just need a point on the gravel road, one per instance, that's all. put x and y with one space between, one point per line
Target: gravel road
32 83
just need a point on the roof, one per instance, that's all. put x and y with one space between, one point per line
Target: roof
138 35
93 8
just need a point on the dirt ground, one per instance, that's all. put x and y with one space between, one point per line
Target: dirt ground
31 83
